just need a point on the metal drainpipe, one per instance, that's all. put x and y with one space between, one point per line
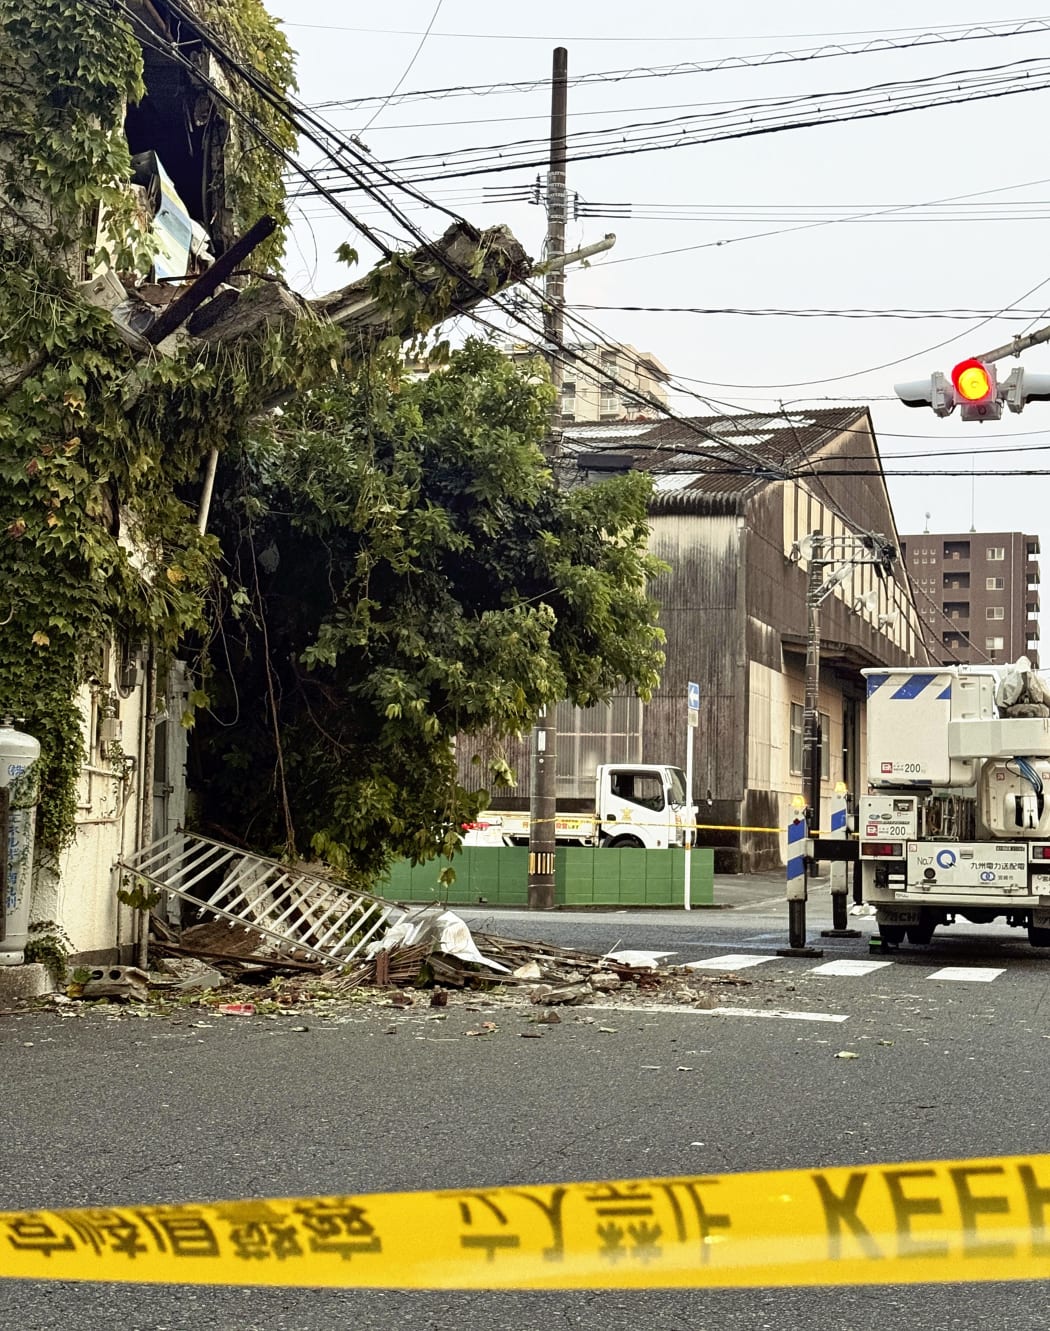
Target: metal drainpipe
149 707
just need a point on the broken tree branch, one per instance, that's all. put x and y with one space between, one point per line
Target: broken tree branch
180 309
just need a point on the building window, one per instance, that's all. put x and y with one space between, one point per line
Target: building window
568 389
993 584
995 612
796 738
993 644
996 552
797 745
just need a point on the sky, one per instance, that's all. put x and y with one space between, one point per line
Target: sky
946 209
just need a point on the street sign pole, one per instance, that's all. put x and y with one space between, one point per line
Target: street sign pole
693 718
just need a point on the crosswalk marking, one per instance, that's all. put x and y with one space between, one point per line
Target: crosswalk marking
849 967
732 961
978 973
846 967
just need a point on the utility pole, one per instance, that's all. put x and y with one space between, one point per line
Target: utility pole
842 555
810 730
811 754
543 765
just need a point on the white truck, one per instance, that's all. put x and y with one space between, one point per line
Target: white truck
642 805
956 822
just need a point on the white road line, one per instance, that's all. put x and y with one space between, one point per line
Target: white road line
780 1014
849 967
978 973
771 1012
732 961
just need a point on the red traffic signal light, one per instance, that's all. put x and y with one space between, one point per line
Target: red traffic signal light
974 381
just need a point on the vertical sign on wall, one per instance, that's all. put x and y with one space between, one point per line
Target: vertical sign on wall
693 718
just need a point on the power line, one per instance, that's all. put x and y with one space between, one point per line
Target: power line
745 120
970 314
961 33
886 365
415 55
645 37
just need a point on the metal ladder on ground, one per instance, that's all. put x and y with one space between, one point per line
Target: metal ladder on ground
300 913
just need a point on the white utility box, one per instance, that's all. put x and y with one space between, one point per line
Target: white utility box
909 714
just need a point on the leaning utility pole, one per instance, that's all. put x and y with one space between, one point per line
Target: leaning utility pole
543 765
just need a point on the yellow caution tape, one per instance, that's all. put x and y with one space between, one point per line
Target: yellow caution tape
731 827
962 1220
586 825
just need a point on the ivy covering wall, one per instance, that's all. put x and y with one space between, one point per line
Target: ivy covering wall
101 446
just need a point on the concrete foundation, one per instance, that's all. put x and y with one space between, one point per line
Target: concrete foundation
19 983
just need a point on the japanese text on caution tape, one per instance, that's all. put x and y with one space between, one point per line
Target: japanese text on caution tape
966 1220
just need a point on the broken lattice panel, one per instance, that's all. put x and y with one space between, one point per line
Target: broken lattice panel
301 913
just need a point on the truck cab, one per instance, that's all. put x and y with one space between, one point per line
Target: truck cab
632 805
641 805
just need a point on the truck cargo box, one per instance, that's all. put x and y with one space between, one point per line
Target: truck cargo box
909 711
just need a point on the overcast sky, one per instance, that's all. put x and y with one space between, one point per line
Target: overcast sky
741 212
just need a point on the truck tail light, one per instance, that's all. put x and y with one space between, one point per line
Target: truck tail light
1041 852
872 848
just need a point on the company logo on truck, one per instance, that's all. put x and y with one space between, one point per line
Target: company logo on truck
946 859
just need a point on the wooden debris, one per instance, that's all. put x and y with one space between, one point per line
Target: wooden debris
238 961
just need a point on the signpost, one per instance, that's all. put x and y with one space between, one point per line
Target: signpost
693 717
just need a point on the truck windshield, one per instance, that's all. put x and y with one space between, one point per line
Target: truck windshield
676 782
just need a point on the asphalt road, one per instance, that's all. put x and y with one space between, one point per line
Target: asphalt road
106 1106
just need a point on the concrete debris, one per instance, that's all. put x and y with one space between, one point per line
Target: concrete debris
638 960
114 982
567 993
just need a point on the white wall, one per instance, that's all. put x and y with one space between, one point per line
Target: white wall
80 894
769 739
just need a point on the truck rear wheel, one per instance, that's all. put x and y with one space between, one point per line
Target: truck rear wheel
625 843
1038 937
892 934
920 934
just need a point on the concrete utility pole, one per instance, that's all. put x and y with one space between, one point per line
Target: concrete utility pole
543 765
811 747
841 555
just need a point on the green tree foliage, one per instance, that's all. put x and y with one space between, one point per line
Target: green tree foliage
405 569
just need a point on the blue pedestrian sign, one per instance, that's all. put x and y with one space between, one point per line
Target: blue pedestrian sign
693 698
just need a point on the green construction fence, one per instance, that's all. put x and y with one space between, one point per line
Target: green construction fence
583 876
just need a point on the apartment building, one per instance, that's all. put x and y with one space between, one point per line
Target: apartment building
588 395
977 594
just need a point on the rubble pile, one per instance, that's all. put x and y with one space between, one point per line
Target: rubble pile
216 965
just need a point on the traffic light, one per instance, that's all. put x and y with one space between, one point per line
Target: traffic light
976 391
935 392
1021 386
